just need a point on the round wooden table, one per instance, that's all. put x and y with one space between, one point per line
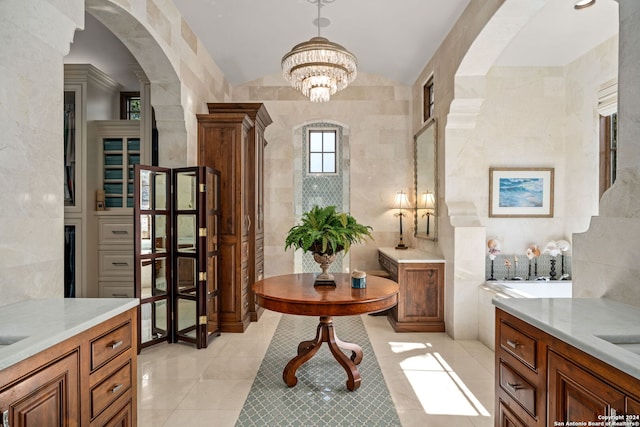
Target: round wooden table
296 294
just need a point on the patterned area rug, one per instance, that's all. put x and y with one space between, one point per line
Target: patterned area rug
321 397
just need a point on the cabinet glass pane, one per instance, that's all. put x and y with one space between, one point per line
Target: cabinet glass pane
133 145
161 233
113 159
145 190
186 233
153 320
113 174
153 280
145 234
146 277
186 191
112 188
187 317
186 274
160 287
113 202
112 144
160 191
69 148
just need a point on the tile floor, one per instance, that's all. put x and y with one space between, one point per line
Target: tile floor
433 380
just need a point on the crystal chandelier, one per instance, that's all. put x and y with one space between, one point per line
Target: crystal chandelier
319 68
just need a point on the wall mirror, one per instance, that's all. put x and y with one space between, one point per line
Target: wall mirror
426 181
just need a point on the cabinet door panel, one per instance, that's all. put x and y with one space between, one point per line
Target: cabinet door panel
421 294
576 395
47 398
506 418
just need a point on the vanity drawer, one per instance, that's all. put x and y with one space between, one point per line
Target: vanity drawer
113 263
518 388
115 231
108 346
114 386
518 344
116 289
389 265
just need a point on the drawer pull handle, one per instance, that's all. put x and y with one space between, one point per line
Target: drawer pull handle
5 418
120 295
115 344
120 264
514 386
116 388
513 344
119 231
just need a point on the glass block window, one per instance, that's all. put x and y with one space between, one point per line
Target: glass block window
322 151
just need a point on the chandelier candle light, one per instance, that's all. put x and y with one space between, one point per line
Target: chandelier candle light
319 68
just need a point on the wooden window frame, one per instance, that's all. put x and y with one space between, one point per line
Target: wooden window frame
428 99
125 97
608 152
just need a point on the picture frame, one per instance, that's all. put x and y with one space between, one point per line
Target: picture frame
521 192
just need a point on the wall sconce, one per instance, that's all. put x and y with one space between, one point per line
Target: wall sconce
428 203
401 202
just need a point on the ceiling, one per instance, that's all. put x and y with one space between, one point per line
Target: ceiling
247 38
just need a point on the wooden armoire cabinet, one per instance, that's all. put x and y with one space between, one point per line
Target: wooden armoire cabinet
231 140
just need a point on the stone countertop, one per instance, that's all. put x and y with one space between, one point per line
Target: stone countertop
411 255
580 322
38 324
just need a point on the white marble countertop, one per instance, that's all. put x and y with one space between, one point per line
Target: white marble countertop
580 322
411 255
40 323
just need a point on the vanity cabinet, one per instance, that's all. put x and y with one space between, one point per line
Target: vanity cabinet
520 373
88 379
47 397
577 395
420 305
544 381
231 140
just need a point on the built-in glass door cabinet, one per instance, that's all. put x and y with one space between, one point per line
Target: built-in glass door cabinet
120 149
73 188
176 221
72 148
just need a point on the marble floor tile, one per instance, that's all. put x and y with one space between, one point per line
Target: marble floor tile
433 380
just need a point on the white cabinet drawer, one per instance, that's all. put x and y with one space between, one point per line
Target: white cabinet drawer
115 231
115 263
116 290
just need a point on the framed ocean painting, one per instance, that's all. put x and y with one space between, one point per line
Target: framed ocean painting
521 192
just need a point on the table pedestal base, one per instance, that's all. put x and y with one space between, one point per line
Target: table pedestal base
307 349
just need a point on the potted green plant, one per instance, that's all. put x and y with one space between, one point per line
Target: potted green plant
325 232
